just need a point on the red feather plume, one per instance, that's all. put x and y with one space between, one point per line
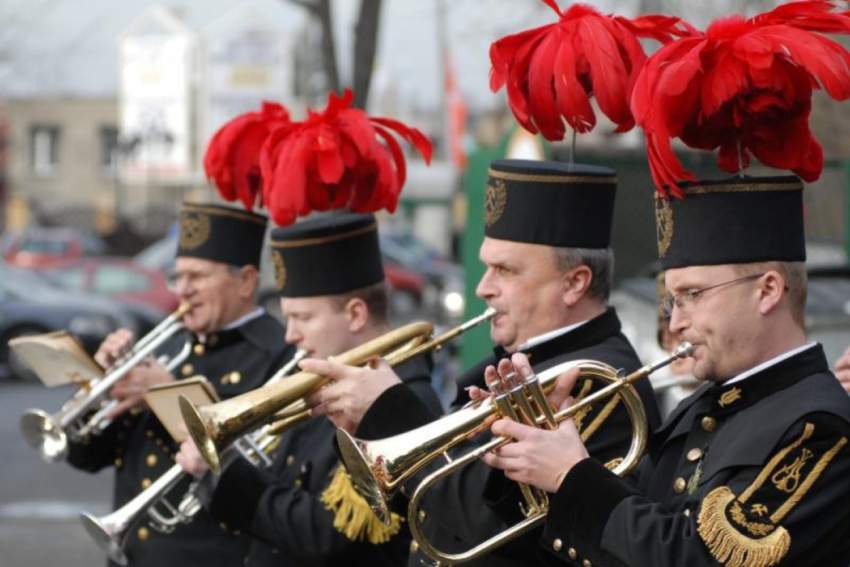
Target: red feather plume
744 87
552 71
232 159
338 158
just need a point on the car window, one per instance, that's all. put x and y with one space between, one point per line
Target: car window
70 278
115 279
56 247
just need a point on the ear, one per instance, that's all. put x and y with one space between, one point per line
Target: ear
771 289
357 313
576 283
247 282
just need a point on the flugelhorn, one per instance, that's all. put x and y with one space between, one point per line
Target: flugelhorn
379 468
110 531
49 434
214 427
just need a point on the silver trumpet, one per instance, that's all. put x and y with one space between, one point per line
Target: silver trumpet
110 532
49 434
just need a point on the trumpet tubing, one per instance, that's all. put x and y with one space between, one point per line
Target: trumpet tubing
379 468
50 433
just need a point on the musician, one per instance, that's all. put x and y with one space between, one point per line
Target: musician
842 370
549 272
334 296
751 470
234 344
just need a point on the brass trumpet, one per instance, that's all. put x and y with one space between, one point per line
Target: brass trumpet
110 532
49 434
214 427
379 468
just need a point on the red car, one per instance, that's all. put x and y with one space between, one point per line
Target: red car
118 278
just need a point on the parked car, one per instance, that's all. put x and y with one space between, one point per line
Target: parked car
30 305
41 246
119 278
408 287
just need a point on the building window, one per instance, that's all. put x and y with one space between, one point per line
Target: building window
44 150
107 150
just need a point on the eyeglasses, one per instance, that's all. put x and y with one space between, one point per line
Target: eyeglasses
194 279
686 300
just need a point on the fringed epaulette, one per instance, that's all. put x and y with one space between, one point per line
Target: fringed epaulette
588 420
352 515
745 531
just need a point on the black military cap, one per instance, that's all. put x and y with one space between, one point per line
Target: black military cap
734 221
327 256
221 234
544 202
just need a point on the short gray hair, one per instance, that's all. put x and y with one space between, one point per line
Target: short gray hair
599 260
796 283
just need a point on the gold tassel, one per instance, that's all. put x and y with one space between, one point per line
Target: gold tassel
352 515
729 546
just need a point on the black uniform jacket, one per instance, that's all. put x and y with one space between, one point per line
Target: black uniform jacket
477 502
234 361
753 473
282 508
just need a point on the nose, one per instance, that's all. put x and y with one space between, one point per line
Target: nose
293 337
678 321
485 289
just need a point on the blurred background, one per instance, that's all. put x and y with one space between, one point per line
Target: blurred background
106 109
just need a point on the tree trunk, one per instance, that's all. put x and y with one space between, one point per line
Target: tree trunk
328 45
365 46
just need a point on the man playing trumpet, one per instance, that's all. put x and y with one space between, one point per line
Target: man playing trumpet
334 295
549 273
235 345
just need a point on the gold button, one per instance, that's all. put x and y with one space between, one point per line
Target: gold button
199 349
421 516
557 545
159 442
289 460
680 485
118 463
297 483
694 454
187 369
143 534
212 340
708 424
146 482
687 513
235 377
304 469
414 547
149 433
572 553
151 460
587 563
223 526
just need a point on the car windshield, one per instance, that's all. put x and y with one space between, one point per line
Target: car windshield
24 282
55 247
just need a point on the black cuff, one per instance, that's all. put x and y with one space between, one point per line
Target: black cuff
397 410
238 494
580 509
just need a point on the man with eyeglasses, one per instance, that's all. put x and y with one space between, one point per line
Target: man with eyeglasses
751 470
236 345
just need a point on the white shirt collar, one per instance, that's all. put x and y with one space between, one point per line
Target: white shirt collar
257 312
769 363
534 341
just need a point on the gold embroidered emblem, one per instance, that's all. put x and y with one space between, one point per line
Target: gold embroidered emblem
693 482
787 479
737 539
495 201
663 226
578 418
195 229
613 463
279 269
729 397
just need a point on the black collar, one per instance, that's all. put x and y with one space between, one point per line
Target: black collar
731 398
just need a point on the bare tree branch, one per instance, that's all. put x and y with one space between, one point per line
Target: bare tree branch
365 46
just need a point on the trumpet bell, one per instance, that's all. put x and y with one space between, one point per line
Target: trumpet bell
199 433
103 535
41 432
356 459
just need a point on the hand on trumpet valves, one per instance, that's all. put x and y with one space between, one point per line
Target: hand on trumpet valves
352 392
113 347
130 389
190 459
842 370
538 457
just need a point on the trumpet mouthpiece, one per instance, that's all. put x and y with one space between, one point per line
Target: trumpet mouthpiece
684 350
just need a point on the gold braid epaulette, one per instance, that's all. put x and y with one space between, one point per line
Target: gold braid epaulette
352 515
